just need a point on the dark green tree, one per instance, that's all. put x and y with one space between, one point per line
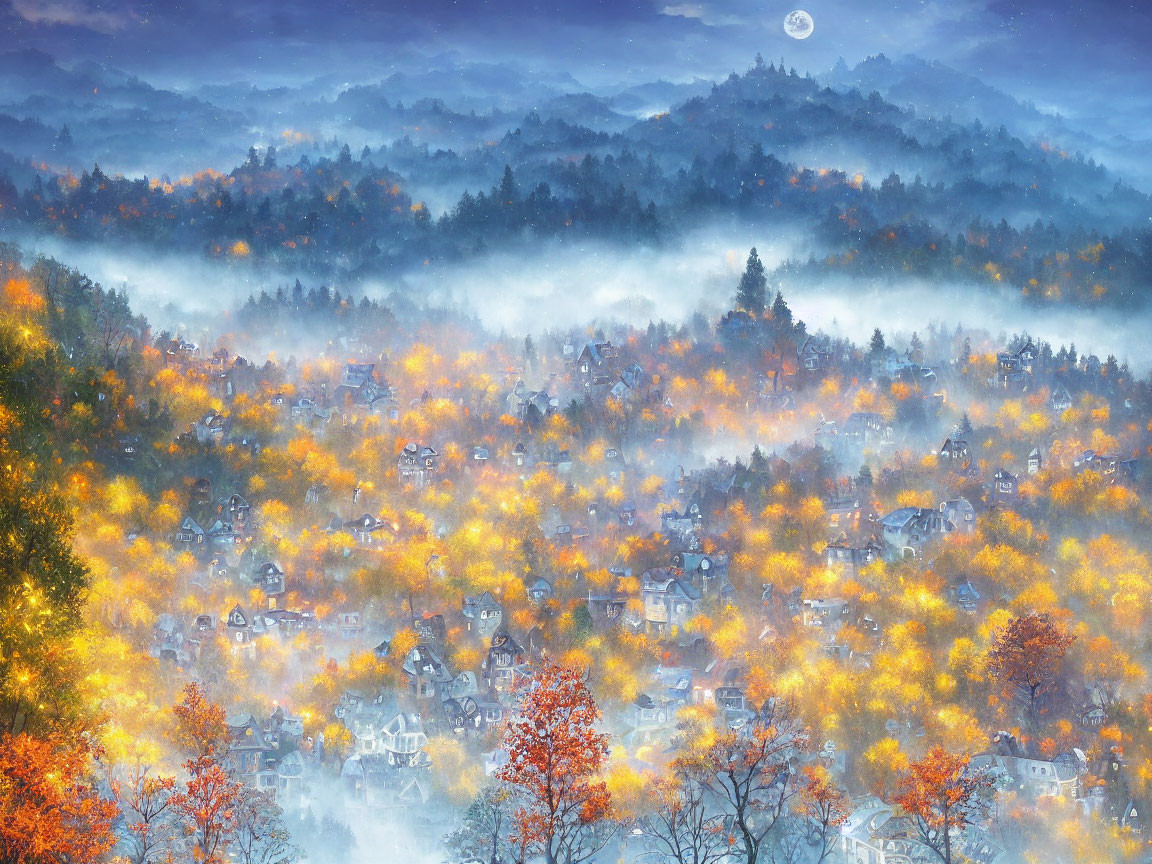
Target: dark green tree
781 314
752 290
877 346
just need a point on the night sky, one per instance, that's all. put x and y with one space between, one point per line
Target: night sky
1074 57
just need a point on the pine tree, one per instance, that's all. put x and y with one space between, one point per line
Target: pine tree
965 427
877 346
916 349
751 292
507 192
781 314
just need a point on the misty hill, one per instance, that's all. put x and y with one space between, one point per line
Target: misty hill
934 89
876 188
110 116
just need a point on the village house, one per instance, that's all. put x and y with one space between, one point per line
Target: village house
593 363
180 352
540 591
190 537
708 574
606 605
502 667
426 673
349 625
367 530
630 383
285 623
462 715
842 557
1035 461
235 509
372 780
1014 368
222 537
251 753
483 615
270 578
849 513
865 427
1033 778
815 353
1061 399
358 384
877 833
212 428
291 785
954 451
238 626
907 530
531 406
670 602
827 615
960 513
416 464
964 596
1005 487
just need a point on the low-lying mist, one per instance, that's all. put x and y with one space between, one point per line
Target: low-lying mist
588 283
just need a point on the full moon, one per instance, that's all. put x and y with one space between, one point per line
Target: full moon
798 24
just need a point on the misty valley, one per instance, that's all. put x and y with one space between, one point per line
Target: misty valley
523 435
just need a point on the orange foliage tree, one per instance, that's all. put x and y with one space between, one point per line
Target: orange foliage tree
146 801
749 774
824 808
50 812
942 793
210 794
555 755
1027 654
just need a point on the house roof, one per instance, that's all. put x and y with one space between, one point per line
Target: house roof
900 518
666 580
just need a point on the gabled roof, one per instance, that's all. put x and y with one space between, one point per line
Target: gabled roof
900 517
666 580
238 615
190 524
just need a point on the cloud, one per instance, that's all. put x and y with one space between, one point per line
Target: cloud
71 13
684 10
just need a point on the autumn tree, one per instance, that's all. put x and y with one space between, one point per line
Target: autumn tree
146 805
555 755
942 793
209 797
748 771
683 825
824 808
1027 654
50 809
751 292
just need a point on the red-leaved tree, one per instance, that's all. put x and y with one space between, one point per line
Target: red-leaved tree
942 793
555 756
210 794
1027 653
50 810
